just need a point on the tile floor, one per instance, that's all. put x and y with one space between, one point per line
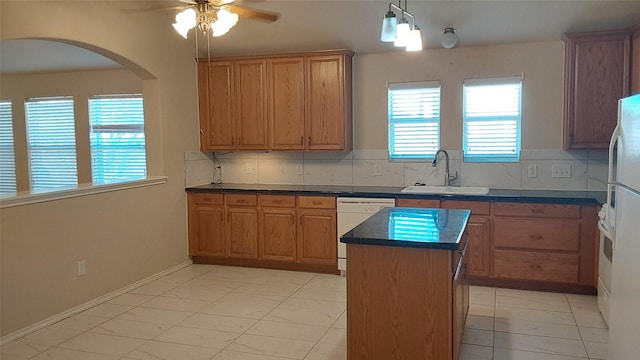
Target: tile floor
205 312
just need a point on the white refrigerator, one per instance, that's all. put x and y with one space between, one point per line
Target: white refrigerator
624 321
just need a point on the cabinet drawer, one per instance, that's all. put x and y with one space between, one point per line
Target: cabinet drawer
536 266
278 201
418 203
537 210
317 202
207 199
476 207
242 200
540 234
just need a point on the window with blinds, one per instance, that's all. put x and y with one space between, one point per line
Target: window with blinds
414 120
492 113
117 138
51 143
7 154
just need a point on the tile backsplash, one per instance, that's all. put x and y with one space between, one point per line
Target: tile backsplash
588 169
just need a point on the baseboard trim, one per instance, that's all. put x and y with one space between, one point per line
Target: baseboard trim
82 307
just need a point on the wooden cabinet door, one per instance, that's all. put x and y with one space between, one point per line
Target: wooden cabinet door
597 75
479 229
215 89
206 231
251 104
242 234
278 234
317 236
286 103
325 89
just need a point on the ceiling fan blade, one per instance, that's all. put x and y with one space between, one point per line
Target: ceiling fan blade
179 7
254 14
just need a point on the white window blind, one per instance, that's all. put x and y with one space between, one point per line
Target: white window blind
52 143
492 119
7 154
414 119
118 150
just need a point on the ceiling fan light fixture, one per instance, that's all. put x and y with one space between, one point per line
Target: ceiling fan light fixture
226 20
185 21
389 27
449 38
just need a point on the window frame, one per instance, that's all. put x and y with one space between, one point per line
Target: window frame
516 127
8 179
393 121
116 127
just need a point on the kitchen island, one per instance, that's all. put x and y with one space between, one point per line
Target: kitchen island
407 287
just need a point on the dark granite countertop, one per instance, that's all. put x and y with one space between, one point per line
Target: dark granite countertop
537 196
411 227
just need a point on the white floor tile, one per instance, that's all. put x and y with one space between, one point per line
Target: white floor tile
244 305
176 304
477 337
600 335
107 310
131 299
552 317
480 322
272 289
321 294
234 355
305 311
102 344
558 304
329 282
537 328
596 350
541 344
476 352
52 336
68 354
286 330
156 350
271 346
81 322
218 322
21 349
198 337
156 316
195 292
509 354
132 329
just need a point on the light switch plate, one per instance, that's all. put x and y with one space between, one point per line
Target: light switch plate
532 171
377 170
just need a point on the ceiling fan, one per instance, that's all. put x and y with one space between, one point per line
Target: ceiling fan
216 16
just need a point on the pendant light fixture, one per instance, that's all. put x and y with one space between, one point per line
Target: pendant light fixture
403 32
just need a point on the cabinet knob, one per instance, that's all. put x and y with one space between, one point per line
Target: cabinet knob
309 141
316 202
301 140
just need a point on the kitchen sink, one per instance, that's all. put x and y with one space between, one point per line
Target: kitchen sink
439 189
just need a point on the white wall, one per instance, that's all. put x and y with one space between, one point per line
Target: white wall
542 67
125 235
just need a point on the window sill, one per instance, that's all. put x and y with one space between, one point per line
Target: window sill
30 197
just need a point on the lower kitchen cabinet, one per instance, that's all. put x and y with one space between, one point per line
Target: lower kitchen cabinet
278 231
535 246
273 231
207 225
317 242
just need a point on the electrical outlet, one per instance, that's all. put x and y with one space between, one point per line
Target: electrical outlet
377 170
248 169
81 268
300 170
532 171
561 171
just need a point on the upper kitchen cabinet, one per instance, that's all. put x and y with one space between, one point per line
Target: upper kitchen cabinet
276 102
233 105
597 69
286 103
215 86
328 102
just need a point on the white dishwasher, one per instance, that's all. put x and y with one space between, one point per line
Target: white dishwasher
352 212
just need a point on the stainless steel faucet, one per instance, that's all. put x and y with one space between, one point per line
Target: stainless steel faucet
447 178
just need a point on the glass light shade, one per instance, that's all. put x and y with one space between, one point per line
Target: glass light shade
415 40
389 27
449 38
185 21
226 20
403 33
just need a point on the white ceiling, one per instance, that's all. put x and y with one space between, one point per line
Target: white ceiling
354 24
